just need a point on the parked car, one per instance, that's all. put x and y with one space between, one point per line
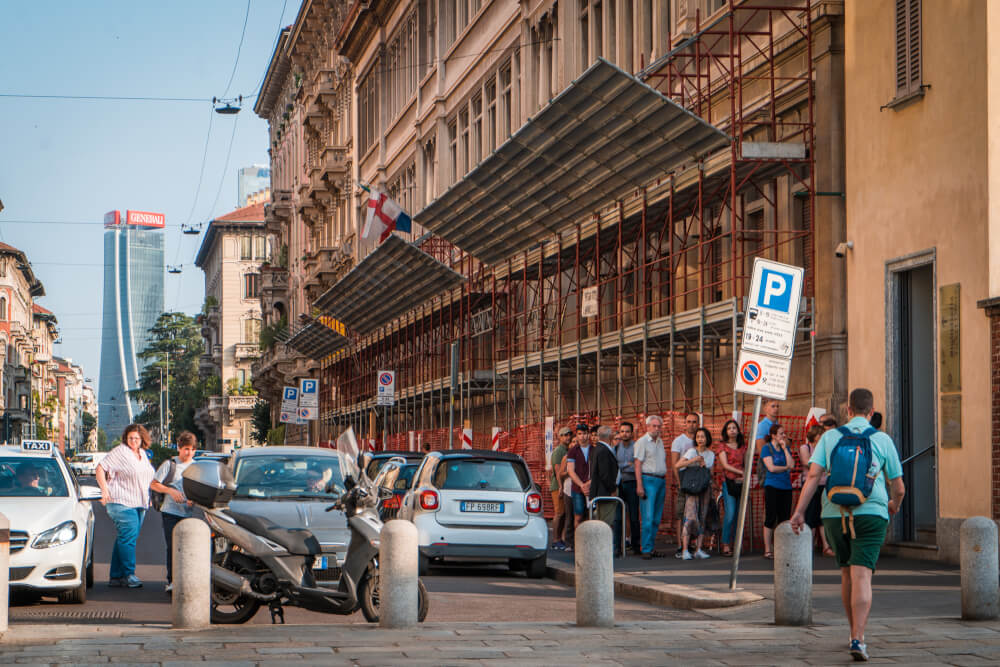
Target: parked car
291 487
51 522
372 462
202 455
86 463
477 505
398 479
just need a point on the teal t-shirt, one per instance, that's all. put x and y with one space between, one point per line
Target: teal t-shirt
883 451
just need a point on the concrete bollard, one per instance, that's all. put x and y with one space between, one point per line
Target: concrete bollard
792 576
595 575
397 564
4 571
980 589
191 601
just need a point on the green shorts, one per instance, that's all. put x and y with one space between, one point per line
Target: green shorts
863 549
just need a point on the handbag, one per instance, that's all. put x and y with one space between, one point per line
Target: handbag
695 480
734 488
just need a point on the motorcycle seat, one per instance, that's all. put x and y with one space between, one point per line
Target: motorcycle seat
298 541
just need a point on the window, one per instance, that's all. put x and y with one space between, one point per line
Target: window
368 108
3 268
251 331
259 247
251 285
491 114
477 130
241 375
3 308
463 142
402 66
453 150
505 101
908 46
246 247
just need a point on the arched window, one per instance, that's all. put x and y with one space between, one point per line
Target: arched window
3 308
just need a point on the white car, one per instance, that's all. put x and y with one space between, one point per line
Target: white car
86 463
51 522
471 505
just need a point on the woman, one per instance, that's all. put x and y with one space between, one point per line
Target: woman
696 505
815 505
124 477
777 458
732 451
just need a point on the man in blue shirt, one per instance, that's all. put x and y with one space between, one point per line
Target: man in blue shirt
770 408
856 554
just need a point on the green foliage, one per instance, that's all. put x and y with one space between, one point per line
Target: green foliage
260 424
210 302
102 440
89 423
283 256
161 454
276 436
270 333
234 388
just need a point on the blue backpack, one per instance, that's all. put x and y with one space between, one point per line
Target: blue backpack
853 470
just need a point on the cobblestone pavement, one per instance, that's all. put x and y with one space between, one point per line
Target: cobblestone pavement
911 641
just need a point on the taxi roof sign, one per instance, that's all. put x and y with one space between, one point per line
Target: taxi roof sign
37 446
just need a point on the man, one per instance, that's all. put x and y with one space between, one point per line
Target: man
578 469
29 478
771 408
625 453
681 444
650 465
168 480
556 477
604 478
856 554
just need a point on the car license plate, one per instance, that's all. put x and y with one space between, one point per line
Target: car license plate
477 506
319 563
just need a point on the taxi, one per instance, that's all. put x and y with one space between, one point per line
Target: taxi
51 522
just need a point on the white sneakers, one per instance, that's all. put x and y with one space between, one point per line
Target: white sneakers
697 554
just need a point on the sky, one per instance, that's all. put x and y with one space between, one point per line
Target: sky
71 160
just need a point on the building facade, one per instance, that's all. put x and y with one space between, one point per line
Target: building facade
231 254
18 288
133 300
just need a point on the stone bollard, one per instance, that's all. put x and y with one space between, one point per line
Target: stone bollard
191 601
980 588
595 575
4 571
397 564
792 576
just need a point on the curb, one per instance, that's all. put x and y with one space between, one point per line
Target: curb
666 595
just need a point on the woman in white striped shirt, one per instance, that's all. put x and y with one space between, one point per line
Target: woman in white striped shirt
124 477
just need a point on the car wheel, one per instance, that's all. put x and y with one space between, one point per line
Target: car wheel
369 594
537 567
77 595
423 565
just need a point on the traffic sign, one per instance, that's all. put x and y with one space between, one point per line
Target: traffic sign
309 393
763 374
385 388
773 308
290 399
307 414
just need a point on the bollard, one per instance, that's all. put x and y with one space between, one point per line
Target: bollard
980 591
4 571
397 564
595 575
792 576
191 602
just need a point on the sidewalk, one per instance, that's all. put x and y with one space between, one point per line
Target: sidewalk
916 588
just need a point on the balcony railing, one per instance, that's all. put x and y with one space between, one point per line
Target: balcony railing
334 162
247 351
240 402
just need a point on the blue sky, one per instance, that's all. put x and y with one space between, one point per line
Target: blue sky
73 160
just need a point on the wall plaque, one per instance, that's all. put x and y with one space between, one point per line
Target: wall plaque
950 330
951 420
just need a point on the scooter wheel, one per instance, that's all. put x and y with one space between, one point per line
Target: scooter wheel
369 594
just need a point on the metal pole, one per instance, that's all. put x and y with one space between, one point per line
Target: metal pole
451 394
745 496
161 406
166 415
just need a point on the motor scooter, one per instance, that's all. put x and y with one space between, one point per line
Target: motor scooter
255 562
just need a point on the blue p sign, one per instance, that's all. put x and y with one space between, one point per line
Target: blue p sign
309 386
775 290
291 393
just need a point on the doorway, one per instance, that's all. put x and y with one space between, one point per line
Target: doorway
912 408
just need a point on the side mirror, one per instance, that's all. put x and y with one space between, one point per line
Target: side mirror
88 492
384 493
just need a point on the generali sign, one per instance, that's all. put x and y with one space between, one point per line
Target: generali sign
145 219
112 218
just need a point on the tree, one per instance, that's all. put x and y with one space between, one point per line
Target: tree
260 424
102 440
89 422
175 344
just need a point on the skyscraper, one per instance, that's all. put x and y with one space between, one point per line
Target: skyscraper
252 180
133 300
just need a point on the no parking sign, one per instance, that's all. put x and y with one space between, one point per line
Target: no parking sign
385 388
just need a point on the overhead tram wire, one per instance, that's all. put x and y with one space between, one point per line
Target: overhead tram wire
239 50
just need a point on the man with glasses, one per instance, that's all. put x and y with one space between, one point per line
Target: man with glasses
681 444
650 466
29 479
625 453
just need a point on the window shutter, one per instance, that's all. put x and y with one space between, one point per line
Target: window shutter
914 46
902 76
908 47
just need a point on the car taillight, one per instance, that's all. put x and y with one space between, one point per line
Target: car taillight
391 503
428 500
533 503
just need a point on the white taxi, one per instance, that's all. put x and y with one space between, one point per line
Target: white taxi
51 521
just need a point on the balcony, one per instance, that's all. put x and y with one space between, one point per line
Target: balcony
317 186
322 268
240 403
247 351
206 366
334 163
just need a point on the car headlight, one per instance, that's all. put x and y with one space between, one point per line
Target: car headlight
53 537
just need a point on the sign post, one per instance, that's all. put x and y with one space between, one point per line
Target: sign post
308 403
451 395
385 395
765 360
289 406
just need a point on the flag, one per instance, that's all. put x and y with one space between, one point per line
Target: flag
384 217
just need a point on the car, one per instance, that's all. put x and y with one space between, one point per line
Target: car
291 487
203 455
397 478
85 463
372 462
51 522
477 505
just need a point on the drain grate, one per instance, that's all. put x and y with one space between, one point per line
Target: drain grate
62 615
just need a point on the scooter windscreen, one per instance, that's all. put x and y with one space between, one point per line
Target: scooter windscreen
347 453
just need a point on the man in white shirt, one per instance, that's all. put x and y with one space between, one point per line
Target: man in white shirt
650 465
681 444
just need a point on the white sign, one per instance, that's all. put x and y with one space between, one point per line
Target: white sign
36 445
763 375
289 399
589 307
290 417
550 425
773 308
309 393
307 414
385 388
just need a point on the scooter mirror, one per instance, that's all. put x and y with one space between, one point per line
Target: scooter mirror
384 493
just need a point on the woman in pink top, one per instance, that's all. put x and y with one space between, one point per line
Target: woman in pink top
124 477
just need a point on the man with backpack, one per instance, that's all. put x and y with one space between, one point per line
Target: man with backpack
864 488
167 494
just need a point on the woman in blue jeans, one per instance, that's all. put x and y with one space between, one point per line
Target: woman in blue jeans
124 477
731 455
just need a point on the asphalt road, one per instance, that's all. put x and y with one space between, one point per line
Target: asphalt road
476 594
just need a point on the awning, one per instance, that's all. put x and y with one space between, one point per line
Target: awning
315 339
395 277
606 134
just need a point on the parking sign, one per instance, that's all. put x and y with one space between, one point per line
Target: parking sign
290 399
385 388
773 308
309 393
